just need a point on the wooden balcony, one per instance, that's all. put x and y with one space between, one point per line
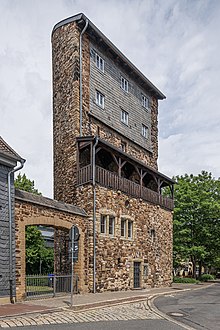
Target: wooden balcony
111 180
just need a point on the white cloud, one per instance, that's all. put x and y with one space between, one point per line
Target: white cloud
174 43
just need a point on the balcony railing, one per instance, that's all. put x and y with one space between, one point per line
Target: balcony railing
111 180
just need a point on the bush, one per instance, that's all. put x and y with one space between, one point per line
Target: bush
206 277
185 280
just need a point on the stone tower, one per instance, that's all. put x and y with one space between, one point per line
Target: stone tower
105 158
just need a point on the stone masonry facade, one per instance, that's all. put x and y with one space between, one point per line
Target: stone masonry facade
150 244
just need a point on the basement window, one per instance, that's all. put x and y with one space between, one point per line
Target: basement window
99 62
100 99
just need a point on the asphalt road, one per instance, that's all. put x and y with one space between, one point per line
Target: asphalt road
113 325
199 309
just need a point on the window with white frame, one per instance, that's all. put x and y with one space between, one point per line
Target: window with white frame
126 228
124 84
145 101
100 99
99 62
124 117
107 224
144 131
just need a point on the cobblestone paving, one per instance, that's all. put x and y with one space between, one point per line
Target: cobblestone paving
131 311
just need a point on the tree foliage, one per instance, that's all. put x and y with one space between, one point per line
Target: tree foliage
23 183
197 220
38 257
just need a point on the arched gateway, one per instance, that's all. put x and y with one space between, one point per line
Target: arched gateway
32 209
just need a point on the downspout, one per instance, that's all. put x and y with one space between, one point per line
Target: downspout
80 77
94 213
22 161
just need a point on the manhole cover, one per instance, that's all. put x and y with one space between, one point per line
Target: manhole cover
176 314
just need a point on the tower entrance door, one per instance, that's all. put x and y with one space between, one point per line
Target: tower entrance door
137 274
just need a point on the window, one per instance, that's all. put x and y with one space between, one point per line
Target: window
111 225
123 146
99 62
107 224
103 222
124 84
152 235
123 227
130 229
124 117
126 228
100 99
144 131
145 102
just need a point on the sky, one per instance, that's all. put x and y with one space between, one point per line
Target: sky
175 43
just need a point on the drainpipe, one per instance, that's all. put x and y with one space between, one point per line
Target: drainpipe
22 161
80 78
94 213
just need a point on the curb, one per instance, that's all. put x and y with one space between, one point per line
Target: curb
113 302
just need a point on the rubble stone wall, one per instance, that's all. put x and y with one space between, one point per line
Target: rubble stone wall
27 214
115 255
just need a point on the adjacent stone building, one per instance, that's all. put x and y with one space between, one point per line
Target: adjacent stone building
105 158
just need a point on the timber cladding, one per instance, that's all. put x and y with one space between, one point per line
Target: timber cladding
4 234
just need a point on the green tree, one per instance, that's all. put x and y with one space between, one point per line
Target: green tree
23 183
38 257
197 220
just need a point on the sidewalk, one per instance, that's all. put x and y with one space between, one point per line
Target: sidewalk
86 301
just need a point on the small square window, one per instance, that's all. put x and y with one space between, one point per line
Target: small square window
111 225
103 221
145 102
144 131
99 62
124 117
124 84
100 99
